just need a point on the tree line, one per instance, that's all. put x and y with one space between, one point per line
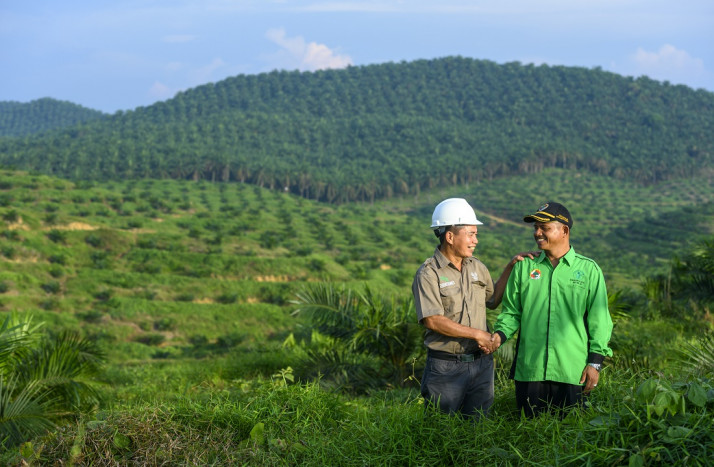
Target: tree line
41 115
385 130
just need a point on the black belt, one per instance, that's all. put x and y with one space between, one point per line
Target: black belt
454 357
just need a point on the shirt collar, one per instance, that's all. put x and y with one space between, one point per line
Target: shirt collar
442 261
567 258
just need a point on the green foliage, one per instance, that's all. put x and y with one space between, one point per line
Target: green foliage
43 380
699 355
277 422
151 299
17 119
371 340
693 274
373 132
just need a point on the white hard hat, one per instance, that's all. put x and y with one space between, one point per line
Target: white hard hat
453 211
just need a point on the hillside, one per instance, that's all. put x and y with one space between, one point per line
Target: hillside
188 288
142 264
41 115
381 131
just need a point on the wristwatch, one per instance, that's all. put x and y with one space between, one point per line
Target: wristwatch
597 366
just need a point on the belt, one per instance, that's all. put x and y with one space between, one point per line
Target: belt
454 357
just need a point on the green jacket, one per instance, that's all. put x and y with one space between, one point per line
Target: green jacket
562 314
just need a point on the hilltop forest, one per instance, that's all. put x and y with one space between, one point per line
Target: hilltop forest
379 131
38 116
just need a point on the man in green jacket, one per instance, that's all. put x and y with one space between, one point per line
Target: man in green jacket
558 301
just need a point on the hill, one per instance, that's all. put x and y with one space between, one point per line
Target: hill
380 131
145 264
41 115
187 287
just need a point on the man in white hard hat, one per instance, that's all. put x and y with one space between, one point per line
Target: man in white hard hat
452 290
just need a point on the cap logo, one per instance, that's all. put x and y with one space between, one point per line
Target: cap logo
543 208
535 274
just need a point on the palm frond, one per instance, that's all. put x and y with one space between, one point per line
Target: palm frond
699 356
618 307
16 337
25 411
331 309
65 366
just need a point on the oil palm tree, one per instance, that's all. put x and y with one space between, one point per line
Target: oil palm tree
368 340
43 379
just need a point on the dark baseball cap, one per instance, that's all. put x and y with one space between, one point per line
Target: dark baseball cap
551 212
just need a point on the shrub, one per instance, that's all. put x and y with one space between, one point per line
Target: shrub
8 251
227 298
52 287
165 324
93 239
57 259
11 216
57 236
151 339
56 271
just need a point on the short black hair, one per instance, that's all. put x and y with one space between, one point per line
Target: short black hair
441 231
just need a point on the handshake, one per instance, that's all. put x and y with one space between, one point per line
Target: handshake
488 343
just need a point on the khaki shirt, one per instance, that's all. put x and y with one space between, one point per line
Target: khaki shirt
441 289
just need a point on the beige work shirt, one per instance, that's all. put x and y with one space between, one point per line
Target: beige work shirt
441 289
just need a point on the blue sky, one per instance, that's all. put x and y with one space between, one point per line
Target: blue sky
119 55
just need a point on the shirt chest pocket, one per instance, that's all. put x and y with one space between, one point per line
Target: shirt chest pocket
451 300
478 289
575 295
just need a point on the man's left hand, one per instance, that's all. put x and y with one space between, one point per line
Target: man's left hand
590 377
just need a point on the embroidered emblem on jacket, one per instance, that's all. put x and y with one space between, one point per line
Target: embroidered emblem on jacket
535 274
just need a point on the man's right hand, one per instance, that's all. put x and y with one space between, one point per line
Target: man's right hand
486 342
495 341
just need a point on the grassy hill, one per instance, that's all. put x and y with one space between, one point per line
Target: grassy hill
155 264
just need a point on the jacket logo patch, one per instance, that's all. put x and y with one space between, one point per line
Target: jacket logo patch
535 274
446 284
474 276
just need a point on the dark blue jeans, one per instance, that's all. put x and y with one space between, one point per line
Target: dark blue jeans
463 387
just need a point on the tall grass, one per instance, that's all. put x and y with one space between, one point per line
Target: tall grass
269 422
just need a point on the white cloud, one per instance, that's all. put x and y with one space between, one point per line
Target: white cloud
668 63
160 91
296 53
206 73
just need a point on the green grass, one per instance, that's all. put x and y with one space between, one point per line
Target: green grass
265 422
188 288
